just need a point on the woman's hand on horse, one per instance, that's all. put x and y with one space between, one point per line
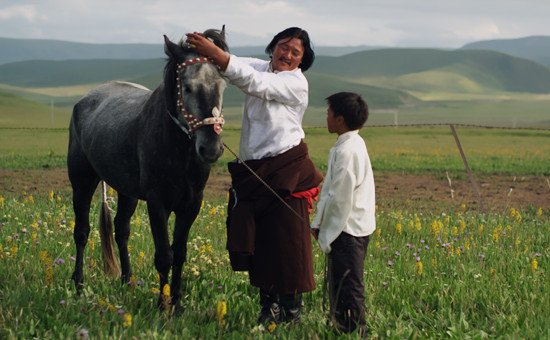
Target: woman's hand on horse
207 48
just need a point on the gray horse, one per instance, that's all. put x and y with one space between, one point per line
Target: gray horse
155 146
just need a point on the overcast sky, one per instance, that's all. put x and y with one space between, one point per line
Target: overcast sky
403 23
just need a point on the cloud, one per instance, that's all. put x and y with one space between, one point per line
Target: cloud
26 12
429 23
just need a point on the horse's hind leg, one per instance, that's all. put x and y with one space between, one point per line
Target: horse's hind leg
84 182
125 209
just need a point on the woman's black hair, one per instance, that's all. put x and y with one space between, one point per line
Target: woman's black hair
298 33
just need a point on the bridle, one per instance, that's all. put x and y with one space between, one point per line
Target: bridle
192 121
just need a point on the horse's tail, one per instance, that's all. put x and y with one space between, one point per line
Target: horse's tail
110 265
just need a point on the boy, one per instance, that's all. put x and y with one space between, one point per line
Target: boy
345 212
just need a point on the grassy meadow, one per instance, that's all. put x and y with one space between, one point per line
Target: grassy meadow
456 274
409 149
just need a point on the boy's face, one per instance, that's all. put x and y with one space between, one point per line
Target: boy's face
332 121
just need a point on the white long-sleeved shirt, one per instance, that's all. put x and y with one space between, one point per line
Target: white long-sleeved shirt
274 106
347 200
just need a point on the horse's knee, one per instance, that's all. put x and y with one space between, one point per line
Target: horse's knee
122 235
80 236
163 262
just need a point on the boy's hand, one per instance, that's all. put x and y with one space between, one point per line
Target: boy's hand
315 233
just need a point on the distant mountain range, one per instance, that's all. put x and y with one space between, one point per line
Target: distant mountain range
387 77
13 50
536 48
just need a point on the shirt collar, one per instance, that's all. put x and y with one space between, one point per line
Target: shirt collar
346 136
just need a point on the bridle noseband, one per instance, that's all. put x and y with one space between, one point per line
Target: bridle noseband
193 122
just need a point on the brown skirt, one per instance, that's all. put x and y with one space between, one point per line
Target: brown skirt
282 261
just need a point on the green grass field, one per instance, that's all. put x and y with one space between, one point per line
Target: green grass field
455 274
409 149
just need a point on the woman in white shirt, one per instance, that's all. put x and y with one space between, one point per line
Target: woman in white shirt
266 238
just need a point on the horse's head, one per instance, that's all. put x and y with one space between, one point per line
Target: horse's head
194 88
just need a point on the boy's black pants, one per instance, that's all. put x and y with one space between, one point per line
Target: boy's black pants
346 285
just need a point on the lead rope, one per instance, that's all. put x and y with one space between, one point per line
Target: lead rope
263 182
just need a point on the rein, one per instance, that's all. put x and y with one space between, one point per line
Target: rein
263 182
192 121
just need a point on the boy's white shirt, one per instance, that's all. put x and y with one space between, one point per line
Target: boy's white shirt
347 200
274 106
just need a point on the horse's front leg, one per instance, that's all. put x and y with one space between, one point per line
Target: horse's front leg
184 220
125 209
158 217
83 190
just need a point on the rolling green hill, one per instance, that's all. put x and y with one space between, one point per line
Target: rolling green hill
490 69
536 48
49 73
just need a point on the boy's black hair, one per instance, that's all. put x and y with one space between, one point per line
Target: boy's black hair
350 106
298 33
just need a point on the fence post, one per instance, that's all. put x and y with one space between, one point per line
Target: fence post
468 170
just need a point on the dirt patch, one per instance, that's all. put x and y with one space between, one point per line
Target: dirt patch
393 190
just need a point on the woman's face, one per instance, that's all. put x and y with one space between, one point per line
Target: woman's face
287 54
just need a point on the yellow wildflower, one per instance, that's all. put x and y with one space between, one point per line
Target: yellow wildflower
155 290
166 290
493 272
418 268
13 250
377 232
271 327
221 311
398 228
51 196
2 201
495 234
127 317
454 231
133 280
417 224
141 258
534 265
462 226
111 192
480 229
539 210
48 274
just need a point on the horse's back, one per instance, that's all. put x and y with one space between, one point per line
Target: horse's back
104 131
110 103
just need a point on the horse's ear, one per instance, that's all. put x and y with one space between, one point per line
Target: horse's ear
169 47
223 32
